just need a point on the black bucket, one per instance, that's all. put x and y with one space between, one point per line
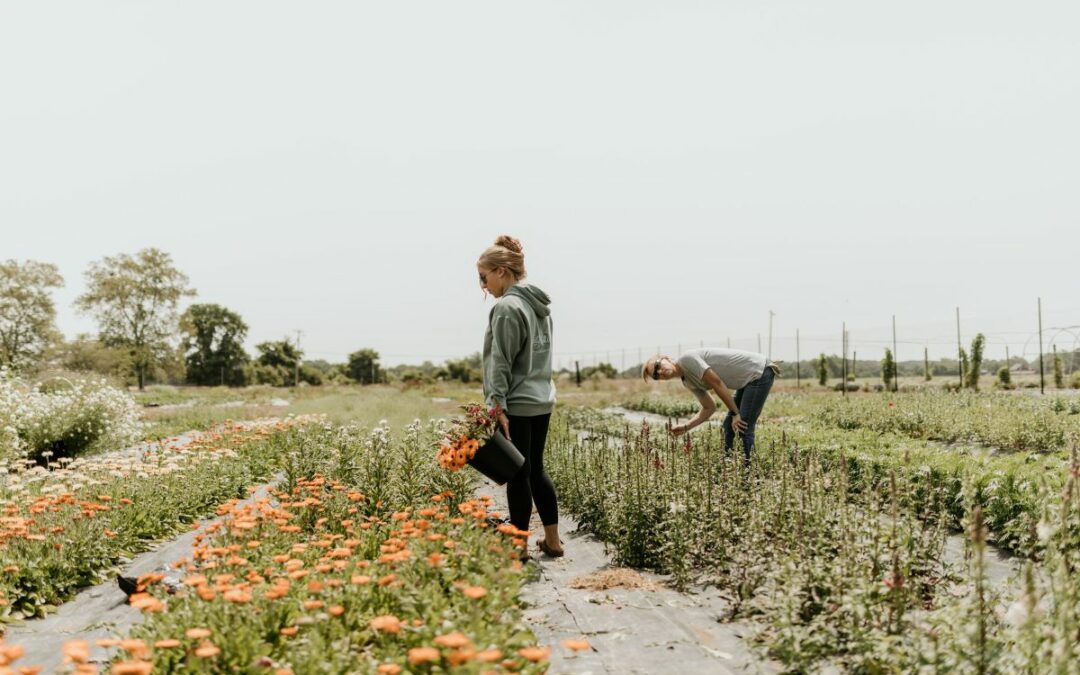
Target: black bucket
498 459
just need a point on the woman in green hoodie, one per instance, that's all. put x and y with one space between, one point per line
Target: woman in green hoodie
517 378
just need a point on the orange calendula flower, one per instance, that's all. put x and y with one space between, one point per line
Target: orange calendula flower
474 592
535 653
576 645
289 631
207 650
455 640
132 668
420 655
489 655
197 633
169 643
387 623
76 651
388 669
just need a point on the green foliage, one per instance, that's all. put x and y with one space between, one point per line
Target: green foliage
888 369
27 313
465 370
276 363
134 300
972 369
89 354
822 370
1059 375
213 344
603 371
363 367
1004 378
1074 381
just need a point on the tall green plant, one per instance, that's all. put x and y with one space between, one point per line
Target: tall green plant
822 370
888 369
1059 375
971 370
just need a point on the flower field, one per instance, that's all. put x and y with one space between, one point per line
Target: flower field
839 567
856 541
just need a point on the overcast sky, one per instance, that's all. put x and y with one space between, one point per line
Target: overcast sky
675 170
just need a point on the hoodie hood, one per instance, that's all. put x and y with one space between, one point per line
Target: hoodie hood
537 299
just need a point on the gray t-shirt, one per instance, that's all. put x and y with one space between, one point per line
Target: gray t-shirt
737 368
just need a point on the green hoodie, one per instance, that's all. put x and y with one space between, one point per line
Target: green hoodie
517 353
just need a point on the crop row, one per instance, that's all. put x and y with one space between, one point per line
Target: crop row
837 566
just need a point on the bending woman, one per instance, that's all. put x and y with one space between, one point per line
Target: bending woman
721 371
517 377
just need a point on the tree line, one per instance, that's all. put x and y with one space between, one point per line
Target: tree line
142 335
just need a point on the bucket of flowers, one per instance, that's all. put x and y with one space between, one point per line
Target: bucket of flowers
475 439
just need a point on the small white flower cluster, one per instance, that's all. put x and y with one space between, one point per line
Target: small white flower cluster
82 415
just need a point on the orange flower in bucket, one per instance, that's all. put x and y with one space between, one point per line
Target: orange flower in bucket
476 439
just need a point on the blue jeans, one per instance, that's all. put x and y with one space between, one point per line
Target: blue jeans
750 400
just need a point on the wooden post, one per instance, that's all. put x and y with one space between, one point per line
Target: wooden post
959 350
1042 373
895 357
577 372
843 360
798 378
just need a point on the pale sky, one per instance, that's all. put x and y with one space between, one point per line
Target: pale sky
675 170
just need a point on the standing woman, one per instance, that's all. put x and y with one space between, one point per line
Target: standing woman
718 370
517 377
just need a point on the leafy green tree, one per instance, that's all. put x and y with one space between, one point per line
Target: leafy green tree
601 370
134 299
465 370
89 354
363 366
27 313
276 363
213 345
971 369
822 370
888 369
1004 377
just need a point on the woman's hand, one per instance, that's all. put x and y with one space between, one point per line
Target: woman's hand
738 423
678 430
504 422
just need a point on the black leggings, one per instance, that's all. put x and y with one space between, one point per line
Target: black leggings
532 483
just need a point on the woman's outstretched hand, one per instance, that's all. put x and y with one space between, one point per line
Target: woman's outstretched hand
678 430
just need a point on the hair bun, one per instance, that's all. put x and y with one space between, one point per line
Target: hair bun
510 243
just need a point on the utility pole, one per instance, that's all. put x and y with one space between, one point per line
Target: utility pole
895 358
843 359
768 354
959 349
296 370
1042 375
798 378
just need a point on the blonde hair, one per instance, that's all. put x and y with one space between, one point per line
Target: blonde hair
655 361
505 252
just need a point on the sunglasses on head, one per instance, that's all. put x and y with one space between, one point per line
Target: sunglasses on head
656 369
